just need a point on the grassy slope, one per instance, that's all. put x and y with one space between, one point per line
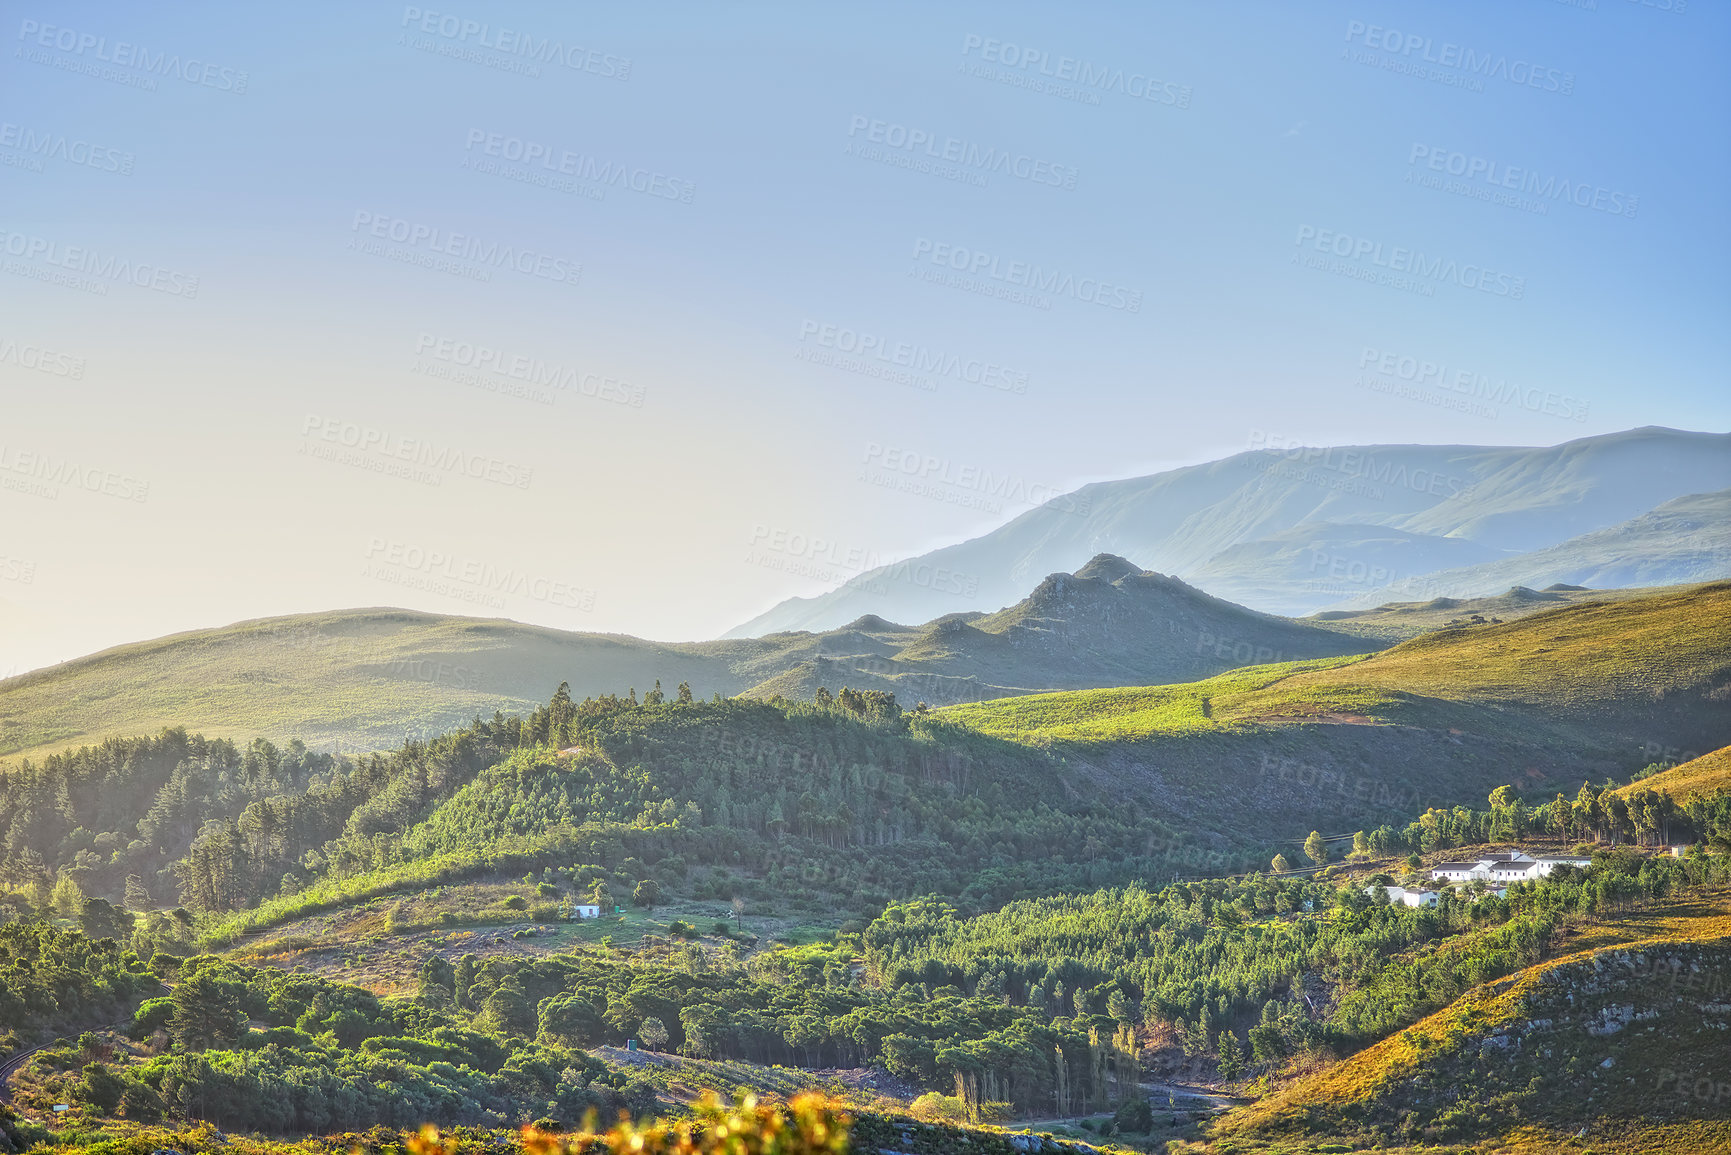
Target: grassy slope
1597 664
357 678
1708 774
1441 719
366 678
1419 1067
1398 621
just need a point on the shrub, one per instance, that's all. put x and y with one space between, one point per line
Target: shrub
516 902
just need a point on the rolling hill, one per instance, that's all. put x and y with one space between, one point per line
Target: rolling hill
1630 1037
1295 529
1699 777
1402 620
1542 702
365 679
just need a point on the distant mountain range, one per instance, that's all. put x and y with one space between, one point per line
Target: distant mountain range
1293 530
1686 540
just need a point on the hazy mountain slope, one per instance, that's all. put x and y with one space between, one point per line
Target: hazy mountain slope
1687 539
366 678
1181 521
1292 571
1545 496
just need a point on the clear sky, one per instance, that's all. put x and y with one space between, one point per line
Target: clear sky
561 312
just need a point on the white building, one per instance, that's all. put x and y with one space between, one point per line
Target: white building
1515 866
582 910
1400 894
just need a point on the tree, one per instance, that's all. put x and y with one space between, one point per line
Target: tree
101 1088
67 899
206 1014
653 1032
1315 848
1231 1057
101 919
685 698
648 893
1267 1044
1134 1116
570 1021
438 982
137 894
1360 844
1281 864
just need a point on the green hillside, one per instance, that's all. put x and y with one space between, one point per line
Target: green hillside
366 679
1632 1030
1542 702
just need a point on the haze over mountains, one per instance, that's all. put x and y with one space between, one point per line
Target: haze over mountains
1292 530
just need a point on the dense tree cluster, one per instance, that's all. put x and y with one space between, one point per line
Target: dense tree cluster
51 978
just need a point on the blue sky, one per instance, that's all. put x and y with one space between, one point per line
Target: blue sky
1122 239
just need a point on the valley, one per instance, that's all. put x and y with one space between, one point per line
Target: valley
1104 870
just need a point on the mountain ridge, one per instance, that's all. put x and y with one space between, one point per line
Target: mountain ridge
1378 513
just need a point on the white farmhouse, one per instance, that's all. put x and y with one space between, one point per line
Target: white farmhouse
586 910
1515 866
1400 894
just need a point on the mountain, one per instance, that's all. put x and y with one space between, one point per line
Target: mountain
1581 692
365 679
1685 539
1317 524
